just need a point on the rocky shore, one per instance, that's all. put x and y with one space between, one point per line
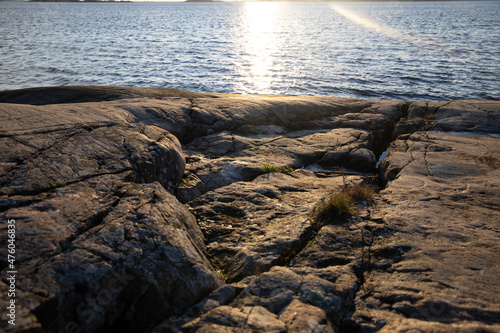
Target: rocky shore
162 210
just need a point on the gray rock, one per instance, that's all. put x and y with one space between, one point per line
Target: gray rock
76 154
102 244
83 94
468 116
129 255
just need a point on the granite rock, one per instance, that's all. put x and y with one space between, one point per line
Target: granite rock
161 210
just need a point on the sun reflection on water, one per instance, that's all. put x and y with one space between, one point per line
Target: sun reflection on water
259 44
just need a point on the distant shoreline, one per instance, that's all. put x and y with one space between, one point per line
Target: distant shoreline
130 1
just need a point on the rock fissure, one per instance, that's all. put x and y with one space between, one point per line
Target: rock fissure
426 151
491 114
88 126
368 246
7 202
92 222
36 192
17 140
38 152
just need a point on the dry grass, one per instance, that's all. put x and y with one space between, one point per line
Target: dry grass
342 202
429 116
360 192
221 274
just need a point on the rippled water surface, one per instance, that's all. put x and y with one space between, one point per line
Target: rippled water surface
390 50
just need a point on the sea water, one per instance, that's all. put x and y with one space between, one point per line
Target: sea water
389 50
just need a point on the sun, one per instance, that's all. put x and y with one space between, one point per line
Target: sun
260 15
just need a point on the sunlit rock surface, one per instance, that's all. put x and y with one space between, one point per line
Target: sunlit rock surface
148 210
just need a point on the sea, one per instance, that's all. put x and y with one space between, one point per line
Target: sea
410 50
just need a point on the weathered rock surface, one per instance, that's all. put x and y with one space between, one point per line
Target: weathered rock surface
253 226
441 206
147 209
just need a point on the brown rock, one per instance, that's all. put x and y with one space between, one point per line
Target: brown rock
300 317
440 203
229 319
252 226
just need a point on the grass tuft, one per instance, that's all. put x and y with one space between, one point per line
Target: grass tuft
58 184
333 206
341 203
360 192
268 168
429 116
222 274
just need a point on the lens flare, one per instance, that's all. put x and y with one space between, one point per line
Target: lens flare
385 30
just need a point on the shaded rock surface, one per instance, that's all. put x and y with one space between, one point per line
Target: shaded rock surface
97 232
148 210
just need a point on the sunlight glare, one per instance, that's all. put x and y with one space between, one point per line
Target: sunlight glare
383 29
260 42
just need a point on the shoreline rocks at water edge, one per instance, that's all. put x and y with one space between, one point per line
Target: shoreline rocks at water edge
148 210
